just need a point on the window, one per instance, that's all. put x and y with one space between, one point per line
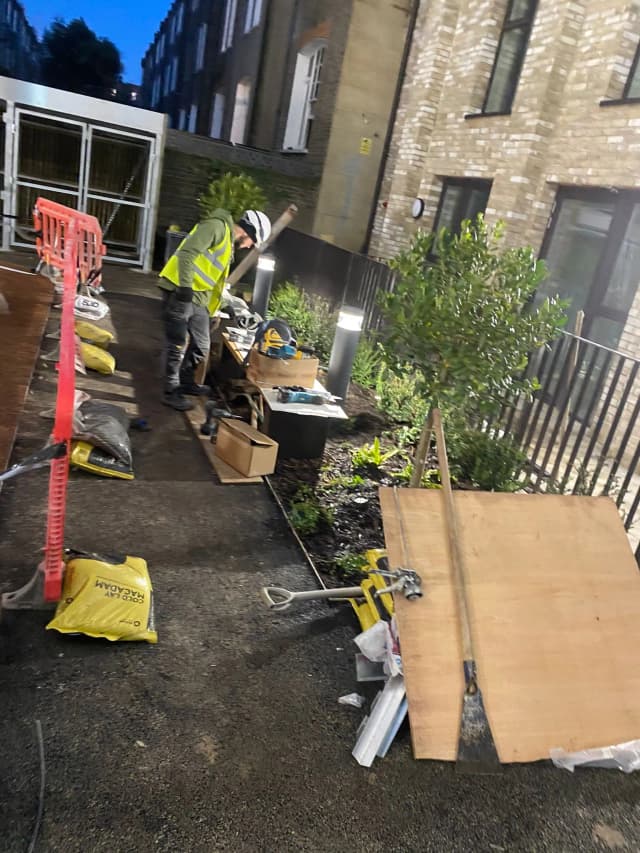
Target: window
193 118
632 89
160 48
254 13
592 251
202 41
174 73
155 90
194 5
179 18
304 94
240 112
510 56
172 30
229 24
167 80
461 198
182 120
217 115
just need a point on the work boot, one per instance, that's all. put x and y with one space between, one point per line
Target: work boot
176 400
192 389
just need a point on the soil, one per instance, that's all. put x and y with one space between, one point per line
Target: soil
351 521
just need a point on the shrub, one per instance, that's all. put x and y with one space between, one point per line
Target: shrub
460 314
367 363
400 397
372 455
306 513
309 315
234 193
350 565
492 463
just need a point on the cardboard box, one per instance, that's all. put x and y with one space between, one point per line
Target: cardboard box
244 448
281 371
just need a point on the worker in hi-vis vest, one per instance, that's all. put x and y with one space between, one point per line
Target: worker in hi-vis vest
192 281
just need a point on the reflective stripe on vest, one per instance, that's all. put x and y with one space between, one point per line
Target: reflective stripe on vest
209 268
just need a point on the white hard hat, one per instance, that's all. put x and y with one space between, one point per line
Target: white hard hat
256 224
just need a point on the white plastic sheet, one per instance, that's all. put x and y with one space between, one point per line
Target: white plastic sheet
380 644
625 757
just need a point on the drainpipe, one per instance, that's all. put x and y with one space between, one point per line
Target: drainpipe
413 16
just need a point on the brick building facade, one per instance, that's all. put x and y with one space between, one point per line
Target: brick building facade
529 111
19 46
292 77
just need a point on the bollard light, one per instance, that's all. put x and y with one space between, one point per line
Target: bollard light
262 285
343 351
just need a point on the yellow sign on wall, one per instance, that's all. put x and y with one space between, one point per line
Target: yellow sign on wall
365 146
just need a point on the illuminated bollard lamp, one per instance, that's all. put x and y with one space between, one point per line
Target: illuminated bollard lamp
343 352
262 285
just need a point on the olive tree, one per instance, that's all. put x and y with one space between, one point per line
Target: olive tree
461 314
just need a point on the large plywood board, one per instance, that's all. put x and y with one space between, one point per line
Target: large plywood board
555 607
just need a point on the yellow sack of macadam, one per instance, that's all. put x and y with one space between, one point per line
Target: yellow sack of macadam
97 359
103 599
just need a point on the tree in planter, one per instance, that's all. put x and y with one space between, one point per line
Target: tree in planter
460 315
234 193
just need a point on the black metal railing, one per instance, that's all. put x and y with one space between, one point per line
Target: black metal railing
581 430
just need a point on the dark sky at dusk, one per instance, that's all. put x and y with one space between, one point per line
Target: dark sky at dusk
129 25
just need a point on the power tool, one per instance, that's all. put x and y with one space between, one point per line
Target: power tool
298 394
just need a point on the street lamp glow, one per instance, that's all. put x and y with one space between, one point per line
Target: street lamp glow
267 263
351 319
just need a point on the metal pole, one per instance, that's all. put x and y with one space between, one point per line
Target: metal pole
262 285
343 351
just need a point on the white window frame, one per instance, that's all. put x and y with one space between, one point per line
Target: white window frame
202 43
240 118
217 116
253 15
304 94
179 18
193 118
228 29
174 73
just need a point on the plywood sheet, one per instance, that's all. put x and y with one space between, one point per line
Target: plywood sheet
555 608
28 299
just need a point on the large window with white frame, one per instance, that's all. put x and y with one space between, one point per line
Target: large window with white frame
202 42
253 15
193 118
217 116
304 95
240 112
229 24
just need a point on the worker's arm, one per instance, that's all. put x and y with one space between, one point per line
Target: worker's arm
207 234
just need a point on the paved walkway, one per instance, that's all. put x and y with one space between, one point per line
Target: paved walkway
244 745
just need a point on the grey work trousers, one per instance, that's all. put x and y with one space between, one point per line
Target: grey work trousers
182 319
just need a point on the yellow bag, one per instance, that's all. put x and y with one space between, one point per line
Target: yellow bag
93 334
103 599
97 461
97 359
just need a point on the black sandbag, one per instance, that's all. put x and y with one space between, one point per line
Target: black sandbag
104 426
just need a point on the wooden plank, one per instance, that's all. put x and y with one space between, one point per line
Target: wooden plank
28 300
554 597
226 474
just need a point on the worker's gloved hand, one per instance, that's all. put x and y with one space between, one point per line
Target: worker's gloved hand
184 294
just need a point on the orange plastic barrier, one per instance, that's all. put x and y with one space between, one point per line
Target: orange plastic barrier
71 242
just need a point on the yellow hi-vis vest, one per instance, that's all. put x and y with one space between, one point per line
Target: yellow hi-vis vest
210 269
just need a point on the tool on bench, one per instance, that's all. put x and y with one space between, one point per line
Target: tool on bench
298 394
476 747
